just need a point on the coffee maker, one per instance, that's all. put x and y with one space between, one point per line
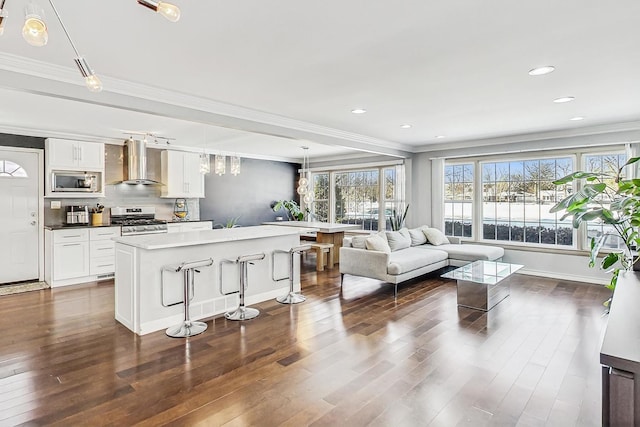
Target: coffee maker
77 215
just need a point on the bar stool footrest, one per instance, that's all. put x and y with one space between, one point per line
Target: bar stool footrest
242 313
186 329
291 298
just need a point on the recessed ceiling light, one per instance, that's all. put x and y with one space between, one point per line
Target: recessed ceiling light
358 111
576 118
540 71
564 99
439 136
405 126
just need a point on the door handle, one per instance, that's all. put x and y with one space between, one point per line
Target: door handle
33 223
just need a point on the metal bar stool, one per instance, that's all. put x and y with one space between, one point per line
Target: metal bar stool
292 297
242 312
188 328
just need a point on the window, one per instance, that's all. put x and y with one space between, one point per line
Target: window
356 198
366 197
11 170
607 164
458 200
320 207
517 196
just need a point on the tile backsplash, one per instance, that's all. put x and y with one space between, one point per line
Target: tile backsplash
118 194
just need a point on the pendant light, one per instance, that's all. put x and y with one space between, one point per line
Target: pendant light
3 16
168 10
205 164
34 30
234 163
303 182
92 81
220 164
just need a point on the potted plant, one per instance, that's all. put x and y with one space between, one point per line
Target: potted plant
616 202
294 213
397 219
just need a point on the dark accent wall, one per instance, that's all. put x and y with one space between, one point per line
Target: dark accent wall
21 141
249 194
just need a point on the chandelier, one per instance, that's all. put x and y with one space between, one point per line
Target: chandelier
304 181
36 34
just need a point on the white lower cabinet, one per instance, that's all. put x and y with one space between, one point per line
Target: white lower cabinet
189 226
71 250
79 255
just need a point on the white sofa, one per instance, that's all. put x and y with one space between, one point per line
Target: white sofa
403 263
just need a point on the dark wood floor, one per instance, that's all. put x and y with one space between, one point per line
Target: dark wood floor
354 359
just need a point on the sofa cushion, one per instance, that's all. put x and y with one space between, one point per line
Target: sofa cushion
417 236
398 239
358 242
473 252
435 236
413 258
377 243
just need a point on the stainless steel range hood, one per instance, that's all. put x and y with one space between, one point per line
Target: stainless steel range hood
135 160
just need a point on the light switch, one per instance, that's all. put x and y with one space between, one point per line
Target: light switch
55 204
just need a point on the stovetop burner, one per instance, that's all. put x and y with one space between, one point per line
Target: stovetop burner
138 220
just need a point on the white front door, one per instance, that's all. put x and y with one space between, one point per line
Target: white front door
19 216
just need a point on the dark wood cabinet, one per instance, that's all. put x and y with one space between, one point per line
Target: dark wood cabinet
620 355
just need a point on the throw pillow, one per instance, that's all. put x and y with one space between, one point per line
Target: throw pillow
398 239
358 242
417 236
435 236
377 243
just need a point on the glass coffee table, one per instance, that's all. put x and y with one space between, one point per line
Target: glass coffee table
482 284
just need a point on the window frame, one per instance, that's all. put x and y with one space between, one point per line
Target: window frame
580 243
400 186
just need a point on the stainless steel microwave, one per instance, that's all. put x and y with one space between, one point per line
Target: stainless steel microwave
76 182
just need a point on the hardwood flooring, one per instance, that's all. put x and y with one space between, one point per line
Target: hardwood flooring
351 359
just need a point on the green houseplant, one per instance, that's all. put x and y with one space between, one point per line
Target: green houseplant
397 218
294 213
616 202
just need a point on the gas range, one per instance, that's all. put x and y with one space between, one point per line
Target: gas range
137 220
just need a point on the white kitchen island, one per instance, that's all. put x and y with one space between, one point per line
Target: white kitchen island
148 294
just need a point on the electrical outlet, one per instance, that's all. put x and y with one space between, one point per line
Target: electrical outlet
55 204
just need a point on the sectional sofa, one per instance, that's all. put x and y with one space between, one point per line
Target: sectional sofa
397 256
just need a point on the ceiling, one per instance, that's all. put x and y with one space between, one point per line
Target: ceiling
263 79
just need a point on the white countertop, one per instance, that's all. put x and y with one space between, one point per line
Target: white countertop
323 227
203 237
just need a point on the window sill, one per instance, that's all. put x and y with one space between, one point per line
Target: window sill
524 248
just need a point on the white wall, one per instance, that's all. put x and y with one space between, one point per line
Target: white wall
557 266
419 191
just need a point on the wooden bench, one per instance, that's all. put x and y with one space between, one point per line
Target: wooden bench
324 255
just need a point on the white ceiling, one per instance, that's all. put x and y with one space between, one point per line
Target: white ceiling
290 72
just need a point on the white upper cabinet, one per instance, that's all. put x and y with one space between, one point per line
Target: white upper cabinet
64 154
66 160
181 175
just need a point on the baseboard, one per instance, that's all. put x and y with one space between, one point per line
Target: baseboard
570 277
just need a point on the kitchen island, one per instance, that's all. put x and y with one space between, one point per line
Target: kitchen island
148 294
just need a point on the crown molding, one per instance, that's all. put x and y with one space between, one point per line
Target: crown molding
241 118
612 129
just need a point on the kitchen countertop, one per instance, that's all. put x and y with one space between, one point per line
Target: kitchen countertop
203 237
323 227
173 221
66 227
